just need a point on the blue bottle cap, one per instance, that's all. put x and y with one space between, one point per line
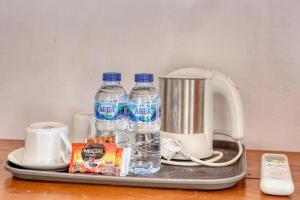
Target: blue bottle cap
111 76
143 77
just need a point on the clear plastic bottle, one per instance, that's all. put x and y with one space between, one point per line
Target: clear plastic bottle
111 106
144 125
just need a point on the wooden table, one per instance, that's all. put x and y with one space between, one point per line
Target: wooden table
16 189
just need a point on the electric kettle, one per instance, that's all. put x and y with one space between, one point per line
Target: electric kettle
187 109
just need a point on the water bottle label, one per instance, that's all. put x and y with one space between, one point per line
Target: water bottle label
139 112
108 110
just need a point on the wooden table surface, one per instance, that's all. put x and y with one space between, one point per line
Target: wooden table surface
13 188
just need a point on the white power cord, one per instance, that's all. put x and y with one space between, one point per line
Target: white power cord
172 146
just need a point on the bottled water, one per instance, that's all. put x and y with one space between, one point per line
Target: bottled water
144 125
111 106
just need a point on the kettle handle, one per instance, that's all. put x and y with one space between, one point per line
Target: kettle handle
223 85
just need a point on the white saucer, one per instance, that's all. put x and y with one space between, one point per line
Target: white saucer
17 156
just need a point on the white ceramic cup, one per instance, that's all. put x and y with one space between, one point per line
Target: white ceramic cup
83 127
46 143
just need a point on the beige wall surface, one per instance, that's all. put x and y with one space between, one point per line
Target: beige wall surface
52 53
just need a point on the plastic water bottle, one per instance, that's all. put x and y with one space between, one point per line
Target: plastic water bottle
111 106
144 125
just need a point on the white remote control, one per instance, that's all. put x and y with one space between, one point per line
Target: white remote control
275 177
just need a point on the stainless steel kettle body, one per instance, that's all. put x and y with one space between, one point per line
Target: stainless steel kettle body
187 108
182 105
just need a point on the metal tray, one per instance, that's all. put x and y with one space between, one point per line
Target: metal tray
201 177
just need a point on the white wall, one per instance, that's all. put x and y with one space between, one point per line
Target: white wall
52 53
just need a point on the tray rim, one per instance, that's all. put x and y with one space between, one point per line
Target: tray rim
52 174
115 179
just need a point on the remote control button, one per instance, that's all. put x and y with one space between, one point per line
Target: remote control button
276 172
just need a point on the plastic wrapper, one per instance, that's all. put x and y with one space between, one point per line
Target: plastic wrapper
100 157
